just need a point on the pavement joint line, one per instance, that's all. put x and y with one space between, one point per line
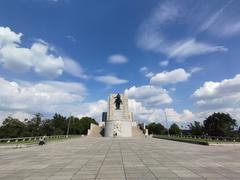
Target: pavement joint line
183 166
104 159
144 163
122 159
85 164
113 158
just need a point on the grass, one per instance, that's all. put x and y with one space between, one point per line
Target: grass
194 140
31 142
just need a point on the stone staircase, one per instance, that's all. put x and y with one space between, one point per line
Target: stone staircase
95 131
137 132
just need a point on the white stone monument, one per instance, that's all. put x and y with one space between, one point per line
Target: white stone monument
119 120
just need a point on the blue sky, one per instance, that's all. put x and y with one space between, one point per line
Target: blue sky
67 56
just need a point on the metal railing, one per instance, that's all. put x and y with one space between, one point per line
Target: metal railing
203 137
36 138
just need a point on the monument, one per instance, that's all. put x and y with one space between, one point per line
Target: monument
117 121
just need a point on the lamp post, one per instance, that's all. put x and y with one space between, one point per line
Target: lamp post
68 125
166 122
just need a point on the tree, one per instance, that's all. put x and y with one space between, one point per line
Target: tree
156 128
174 129
12 128
219 124
85 123
33 125
47 127
196 128
60 124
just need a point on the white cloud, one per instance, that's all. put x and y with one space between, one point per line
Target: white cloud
153 34
8 37
224 94
214 17
73 68
149 95
191 47
38 57
23 99
151 114
117 59
164 63
71 38
143 69
150 35
146 72
94 109
110 80
45 96
170 77
227 29
196 69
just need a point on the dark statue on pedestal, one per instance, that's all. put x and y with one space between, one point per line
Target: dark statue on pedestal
118 101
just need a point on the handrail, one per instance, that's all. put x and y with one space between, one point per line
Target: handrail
34 138
209 138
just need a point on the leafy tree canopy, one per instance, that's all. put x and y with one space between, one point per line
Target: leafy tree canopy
156 128
219 124
36 126
196 128
174 129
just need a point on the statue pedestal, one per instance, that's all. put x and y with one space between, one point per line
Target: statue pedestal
118 128
119 122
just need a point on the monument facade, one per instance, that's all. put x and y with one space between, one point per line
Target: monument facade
117 121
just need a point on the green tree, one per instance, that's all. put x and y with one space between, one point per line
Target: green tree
33 125
174 129
84 124
47 127
12 128
196 128
60 124
219 124
156 128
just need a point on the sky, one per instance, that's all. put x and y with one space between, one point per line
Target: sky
67 56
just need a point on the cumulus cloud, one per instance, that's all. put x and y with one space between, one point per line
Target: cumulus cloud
45 96
152 114
149 95
117 59
170 77
7 36
38 57
73 68
94 109
22 99
224 94
110 80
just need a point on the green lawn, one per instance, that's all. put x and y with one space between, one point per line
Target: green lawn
194 140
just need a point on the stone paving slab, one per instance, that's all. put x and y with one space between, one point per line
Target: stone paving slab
120 159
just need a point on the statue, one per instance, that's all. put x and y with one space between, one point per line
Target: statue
118 101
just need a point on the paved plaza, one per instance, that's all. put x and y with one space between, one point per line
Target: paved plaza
120 158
